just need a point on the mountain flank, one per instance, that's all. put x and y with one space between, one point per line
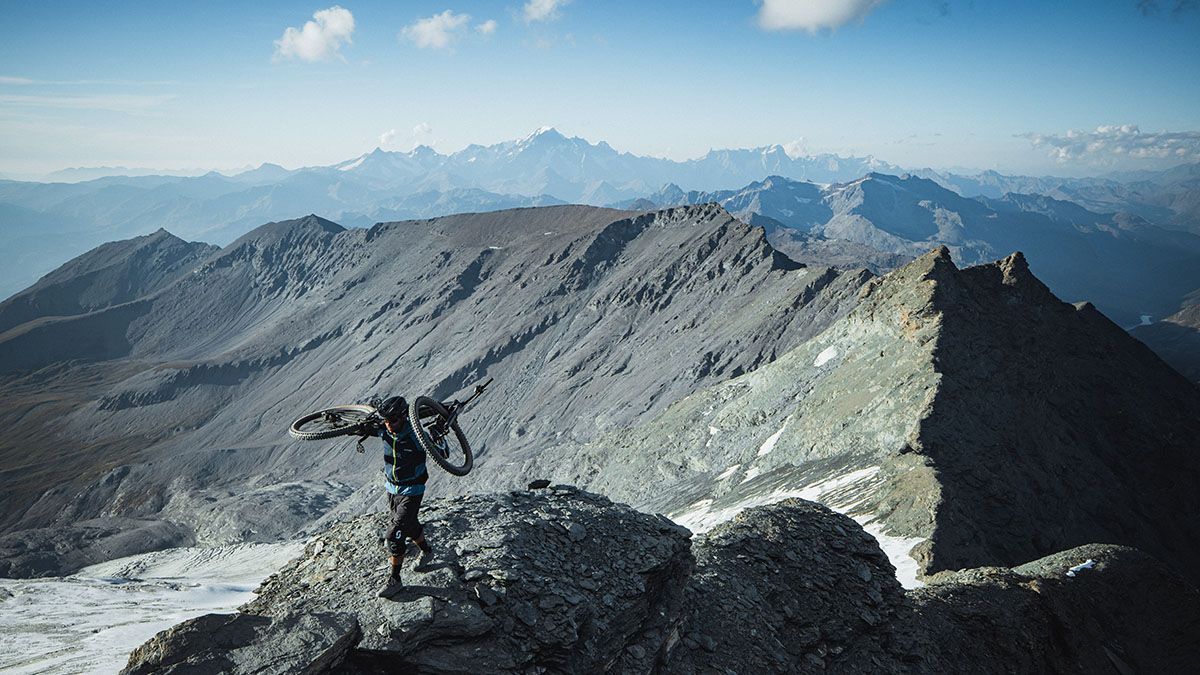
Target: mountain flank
566 581
111 274
574 310
1177 340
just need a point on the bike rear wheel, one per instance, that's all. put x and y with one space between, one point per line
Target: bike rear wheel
440 438
336 421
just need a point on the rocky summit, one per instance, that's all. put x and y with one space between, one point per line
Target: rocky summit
564 581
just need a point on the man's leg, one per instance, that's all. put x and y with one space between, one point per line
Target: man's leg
395 545
413 528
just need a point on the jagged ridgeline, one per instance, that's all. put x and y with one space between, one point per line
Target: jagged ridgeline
172 407
967 417
670 359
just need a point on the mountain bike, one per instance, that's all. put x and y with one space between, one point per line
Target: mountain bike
434 423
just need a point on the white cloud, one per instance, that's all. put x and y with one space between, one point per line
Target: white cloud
543 10
15 80
436 32
487 27
1110 144
812 15
319 39
393 139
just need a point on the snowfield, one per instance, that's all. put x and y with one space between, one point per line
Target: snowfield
89 622
839 493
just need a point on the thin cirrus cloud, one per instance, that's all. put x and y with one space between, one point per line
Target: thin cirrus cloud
812 15
132 104
1111 144
318 40
542 10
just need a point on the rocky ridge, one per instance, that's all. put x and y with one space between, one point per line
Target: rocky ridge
968 414
111 274
566 581
1121 262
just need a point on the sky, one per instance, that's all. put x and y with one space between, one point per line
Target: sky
1066 87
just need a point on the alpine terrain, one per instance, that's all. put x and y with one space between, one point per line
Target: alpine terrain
865 472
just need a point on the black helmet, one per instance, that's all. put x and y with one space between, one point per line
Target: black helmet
393 407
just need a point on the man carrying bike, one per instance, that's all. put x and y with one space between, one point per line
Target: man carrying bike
404 477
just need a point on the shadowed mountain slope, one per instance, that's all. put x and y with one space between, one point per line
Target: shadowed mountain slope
111 274
968 415
1177 340
589 319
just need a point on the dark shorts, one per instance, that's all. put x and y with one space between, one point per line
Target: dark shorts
404 521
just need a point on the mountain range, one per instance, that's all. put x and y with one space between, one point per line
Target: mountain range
48 223
1126 266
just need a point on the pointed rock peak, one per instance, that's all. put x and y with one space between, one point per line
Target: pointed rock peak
312 220
906 285
543 135
937 259
1015 268
161 235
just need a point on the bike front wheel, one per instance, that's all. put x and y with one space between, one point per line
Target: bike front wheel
439 437
336 421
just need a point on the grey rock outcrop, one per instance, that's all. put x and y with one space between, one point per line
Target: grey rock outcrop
245 644
792 587
54 551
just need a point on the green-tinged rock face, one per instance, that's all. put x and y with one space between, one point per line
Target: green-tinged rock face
966 417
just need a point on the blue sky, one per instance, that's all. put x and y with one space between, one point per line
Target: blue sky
1030 87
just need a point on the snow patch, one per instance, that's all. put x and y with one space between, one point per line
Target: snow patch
700 517
752 473
769 444
352 165
1086 565
729 472
897 550
826 355
712 431
90 621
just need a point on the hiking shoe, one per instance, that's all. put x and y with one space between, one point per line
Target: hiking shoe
393 588
424 546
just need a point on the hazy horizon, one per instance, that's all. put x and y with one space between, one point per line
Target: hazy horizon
1071 89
